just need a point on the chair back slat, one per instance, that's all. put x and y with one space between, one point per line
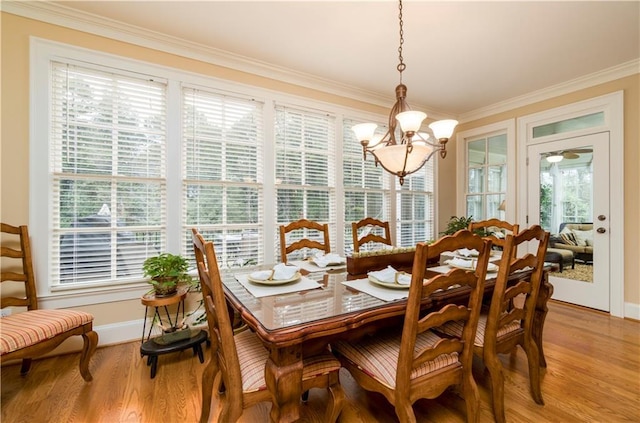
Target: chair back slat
374 225
304 227
16 246
506 227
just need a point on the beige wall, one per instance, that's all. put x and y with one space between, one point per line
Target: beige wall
14 151
631 88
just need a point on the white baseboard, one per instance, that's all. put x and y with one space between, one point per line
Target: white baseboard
632 311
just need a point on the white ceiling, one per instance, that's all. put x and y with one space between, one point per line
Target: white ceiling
460 56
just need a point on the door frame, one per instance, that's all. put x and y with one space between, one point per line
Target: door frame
613 108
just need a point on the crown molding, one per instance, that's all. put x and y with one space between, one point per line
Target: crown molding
93 24
611 74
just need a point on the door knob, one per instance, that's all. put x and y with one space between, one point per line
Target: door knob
601 230
602 217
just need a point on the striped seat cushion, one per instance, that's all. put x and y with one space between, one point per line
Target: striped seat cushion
455 329
377 356
28 328
253 356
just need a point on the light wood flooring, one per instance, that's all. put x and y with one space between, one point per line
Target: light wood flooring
593 375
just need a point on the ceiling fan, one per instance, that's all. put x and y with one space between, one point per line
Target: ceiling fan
574 153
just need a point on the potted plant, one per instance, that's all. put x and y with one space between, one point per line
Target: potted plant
456 223
166 271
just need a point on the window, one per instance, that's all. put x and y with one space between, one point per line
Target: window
486 177
415 202
135 155
305 160
108 136
222 187
367 190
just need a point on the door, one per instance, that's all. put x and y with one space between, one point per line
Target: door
568 181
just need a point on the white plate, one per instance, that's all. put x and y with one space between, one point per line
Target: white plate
491 268
294 278
388 284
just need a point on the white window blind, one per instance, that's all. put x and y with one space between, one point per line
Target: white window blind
367 191
107 140
223 182
305 168
415 201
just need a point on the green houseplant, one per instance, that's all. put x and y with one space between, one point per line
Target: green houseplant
166 271
456 223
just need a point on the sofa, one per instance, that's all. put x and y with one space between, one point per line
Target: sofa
576 237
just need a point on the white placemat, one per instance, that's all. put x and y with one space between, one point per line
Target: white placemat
313 268
385 294
259 291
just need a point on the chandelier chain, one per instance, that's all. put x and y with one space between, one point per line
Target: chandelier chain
401 66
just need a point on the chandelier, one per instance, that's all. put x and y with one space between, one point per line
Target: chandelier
406 151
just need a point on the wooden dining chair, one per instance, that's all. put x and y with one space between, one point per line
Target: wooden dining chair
418 363
509 323
301 231
235 368
374 228
32 333
496 230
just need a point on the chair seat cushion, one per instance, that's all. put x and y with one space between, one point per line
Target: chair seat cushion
253 356
377 356
28 328
455 329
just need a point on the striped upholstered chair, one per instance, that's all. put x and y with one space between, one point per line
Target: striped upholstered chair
34 332
238 387
418 363
509 322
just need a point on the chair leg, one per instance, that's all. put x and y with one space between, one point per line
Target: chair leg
26 365
471 398
404 411
533 359
497 387
337 398
90 344
208 379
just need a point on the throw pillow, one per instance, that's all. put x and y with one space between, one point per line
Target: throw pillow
583 236
568 238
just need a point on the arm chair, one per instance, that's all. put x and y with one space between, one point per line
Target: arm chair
305 227
236 386
34 332
418 363
508 323
375 226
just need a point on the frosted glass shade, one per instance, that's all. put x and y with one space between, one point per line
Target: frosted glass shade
555 159
443 128
410 121
392 158
364 131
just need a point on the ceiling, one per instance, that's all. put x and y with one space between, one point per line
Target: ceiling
460 56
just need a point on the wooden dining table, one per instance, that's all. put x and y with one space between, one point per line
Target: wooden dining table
300 324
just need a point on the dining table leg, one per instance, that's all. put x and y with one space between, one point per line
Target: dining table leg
283 375
546 291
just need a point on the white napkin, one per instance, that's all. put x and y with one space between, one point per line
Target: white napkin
324 260
388 275
280 272
460 262
468 253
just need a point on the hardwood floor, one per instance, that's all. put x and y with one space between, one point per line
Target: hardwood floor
593 375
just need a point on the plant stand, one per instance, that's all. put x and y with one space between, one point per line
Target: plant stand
153 349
